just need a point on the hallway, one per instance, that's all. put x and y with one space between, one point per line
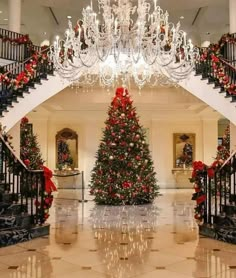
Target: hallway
159 240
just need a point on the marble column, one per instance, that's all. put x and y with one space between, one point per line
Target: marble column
232 17
14 15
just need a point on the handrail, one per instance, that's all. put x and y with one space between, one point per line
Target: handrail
223 60
25 61
17 157
227 160
12 151
13 32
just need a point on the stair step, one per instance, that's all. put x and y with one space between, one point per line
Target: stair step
13 236
10 221
224 221
9 197
226 234
15 209
4 206
229 209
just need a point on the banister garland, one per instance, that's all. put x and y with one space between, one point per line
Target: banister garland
27 74
201 171
217 62
24 39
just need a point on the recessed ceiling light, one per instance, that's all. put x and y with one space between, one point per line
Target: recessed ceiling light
181 17
45 33
5 19
69 16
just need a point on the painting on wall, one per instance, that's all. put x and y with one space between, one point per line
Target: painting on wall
184 150
66 149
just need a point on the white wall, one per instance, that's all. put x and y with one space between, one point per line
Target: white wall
160 140
162 146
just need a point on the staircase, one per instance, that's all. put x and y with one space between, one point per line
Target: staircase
216 201
22 199
27 80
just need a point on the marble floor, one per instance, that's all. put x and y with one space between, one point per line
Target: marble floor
158 240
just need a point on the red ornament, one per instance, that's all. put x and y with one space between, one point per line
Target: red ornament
126 184
27 162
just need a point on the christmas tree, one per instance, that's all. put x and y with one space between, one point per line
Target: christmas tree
64 157
223 150
123 173
29 148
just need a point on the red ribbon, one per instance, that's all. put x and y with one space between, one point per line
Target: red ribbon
201 199
49 185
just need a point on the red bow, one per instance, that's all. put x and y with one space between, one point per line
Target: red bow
49 185
121 98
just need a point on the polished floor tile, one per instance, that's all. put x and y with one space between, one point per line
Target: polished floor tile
157 240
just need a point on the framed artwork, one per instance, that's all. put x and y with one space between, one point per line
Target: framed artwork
184 150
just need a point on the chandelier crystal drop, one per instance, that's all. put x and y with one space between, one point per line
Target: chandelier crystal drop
124 41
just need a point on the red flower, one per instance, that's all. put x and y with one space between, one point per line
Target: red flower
210 173
198 165
27 162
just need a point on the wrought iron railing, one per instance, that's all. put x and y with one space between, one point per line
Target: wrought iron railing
217 63
219 192
26 187
12 85
15 46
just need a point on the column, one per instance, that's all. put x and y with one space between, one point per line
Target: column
14 15
232 18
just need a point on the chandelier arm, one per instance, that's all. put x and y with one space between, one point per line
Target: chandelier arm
103 58
134 41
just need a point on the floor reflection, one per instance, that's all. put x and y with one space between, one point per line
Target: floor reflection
66 221
158 240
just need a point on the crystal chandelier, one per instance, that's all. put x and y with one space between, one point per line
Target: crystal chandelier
123 41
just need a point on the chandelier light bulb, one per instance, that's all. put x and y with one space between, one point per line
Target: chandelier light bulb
133 37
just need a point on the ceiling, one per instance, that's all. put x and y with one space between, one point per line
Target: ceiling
203 19
159 103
